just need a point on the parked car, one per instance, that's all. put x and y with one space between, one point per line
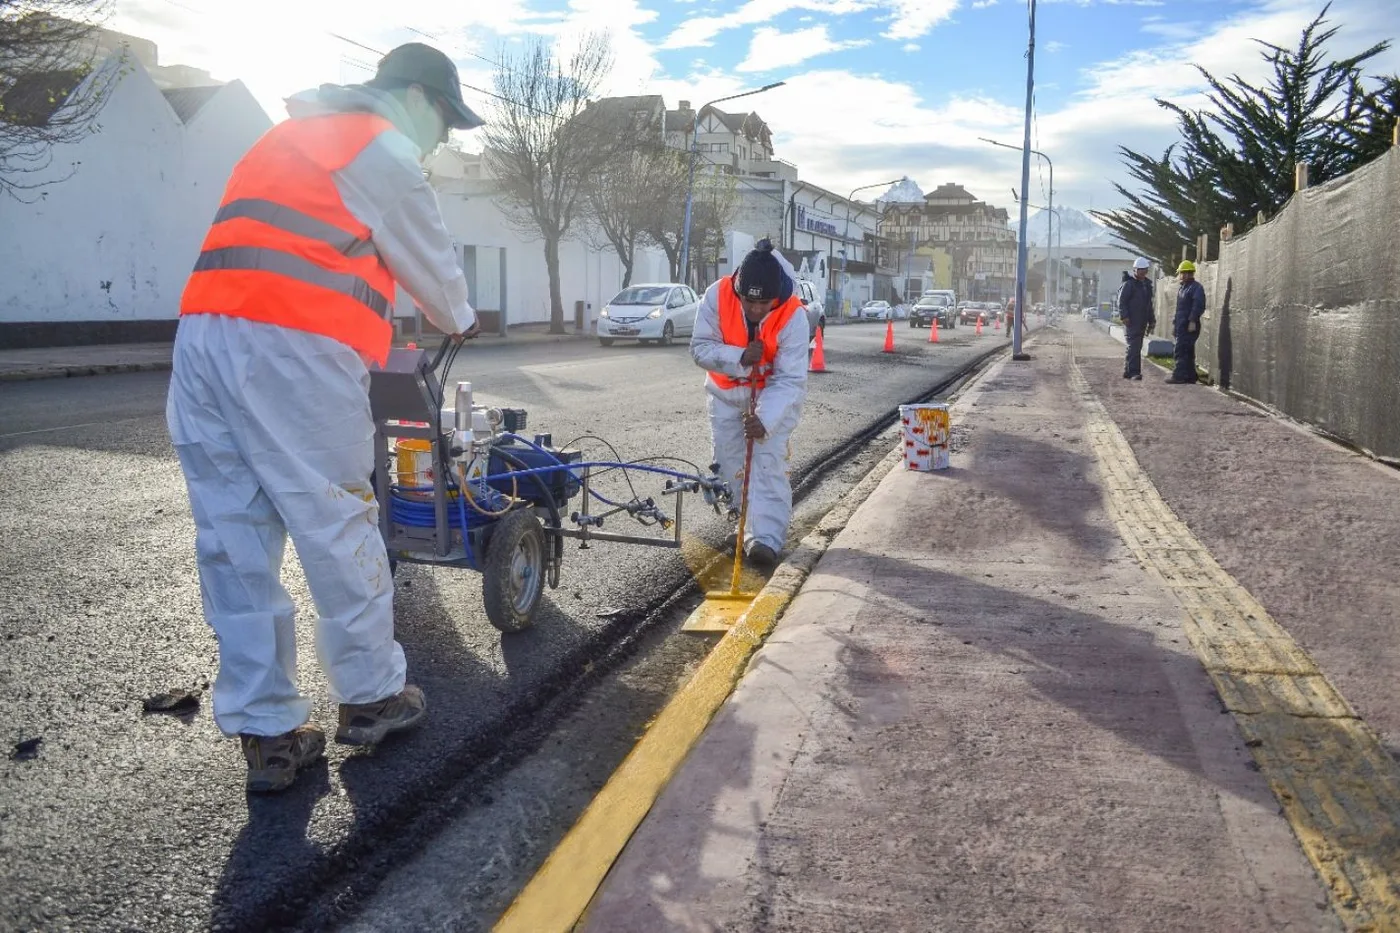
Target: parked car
876 311
933 307
811 298
649 313
948 293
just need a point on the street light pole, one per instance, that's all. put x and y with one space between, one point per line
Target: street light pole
690 181
847 235
1026 152
1058 233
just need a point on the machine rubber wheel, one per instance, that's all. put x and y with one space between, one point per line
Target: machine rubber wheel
668 335
605 341
513 576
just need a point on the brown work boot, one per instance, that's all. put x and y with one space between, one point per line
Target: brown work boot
274 760
369 723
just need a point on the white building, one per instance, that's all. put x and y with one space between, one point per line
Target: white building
506 269
103 254
1101 266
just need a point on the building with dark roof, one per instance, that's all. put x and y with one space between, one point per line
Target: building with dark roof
101 245
966 237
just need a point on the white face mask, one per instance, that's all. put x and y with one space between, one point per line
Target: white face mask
429 128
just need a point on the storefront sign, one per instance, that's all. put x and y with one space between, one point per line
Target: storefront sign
810 221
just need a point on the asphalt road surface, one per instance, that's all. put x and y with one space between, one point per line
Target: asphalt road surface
117 820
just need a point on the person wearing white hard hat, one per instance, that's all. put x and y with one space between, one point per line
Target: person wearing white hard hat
1136 312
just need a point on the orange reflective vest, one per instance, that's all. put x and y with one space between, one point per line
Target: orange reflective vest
285 250
734 328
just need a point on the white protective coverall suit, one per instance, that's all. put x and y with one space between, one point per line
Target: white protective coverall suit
779 409
273 430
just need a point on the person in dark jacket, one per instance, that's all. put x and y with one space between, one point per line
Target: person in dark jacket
1186 326
1135 310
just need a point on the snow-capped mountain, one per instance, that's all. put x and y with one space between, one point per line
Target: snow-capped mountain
1079 228
904 191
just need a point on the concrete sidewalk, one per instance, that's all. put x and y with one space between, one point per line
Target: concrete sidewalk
987 709
93 360
101 359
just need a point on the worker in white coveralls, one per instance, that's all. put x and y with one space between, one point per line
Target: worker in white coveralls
752 325
269 406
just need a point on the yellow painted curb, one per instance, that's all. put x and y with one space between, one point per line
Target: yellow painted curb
1335 782
560 891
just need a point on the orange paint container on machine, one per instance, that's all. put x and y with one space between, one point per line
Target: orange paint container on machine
925 436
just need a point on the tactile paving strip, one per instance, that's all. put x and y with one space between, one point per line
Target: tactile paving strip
1337 785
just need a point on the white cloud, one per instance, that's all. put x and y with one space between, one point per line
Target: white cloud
915 18
1176 32
1054 45
702 30
773 49
885 128
910 47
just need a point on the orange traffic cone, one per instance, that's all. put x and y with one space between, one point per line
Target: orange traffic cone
979 325
933 332
889 336
817 364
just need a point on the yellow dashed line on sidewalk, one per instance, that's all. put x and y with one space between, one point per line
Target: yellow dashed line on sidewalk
1337 785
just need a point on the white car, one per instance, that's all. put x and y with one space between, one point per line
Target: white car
811 297
649 313
876 311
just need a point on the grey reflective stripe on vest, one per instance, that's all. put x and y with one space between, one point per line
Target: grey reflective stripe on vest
294 221
261 259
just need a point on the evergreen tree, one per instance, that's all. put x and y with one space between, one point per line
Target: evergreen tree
1236 157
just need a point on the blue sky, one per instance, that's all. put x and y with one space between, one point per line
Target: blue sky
876 89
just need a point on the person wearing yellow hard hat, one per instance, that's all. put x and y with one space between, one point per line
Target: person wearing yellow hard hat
1186 326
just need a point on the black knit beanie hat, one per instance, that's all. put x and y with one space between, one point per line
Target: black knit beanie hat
760 274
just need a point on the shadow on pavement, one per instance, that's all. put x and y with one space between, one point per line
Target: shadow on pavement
274 836
1115 677
1066 509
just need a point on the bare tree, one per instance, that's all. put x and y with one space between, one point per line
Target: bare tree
714 203
542 150
50 89
626 194
665 215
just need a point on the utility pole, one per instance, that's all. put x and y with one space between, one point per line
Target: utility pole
1026 152
1017 352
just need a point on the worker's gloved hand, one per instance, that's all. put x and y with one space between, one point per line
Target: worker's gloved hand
753 428
469 333
752 354
1191 327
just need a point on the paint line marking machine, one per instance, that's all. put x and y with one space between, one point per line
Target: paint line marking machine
461 486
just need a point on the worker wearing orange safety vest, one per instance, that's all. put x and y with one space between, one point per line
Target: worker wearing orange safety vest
754 318
269 408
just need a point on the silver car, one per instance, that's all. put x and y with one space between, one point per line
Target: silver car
656 313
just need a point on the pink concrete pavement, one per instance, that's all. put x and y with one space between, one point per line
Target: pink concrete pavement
979 714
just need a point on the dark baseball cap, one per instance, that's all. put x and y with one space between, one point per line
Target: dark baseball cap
416 63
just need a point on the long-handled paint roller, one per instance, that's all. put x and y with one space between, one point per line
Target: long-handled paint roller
722 608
